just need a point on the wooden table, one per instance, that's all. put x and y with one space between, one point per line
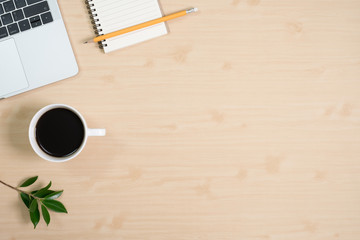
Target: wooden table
242 123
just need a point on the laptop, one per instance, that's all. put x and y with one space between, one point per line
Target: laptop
34 46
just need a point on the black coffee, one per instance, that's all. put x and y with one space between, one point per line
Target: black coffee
60 132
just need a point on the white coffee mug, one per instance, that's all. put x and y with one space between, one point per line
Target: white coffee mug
87 132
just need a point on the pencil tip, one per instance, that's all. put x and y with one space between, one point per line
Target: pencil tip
191 10
86 42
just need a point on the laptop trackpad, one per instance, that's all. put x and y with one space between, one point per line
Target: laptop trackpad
12 75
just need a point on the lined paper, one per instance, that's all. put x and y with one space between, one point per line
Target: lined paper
114 15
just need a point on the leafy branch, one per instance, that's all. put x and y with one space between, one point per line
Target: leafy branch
43 198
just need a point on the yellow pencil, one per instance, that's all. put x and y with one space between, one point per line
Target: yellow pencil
142 25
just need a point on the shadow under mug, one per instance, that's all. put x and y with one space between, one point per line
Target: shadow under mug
87 133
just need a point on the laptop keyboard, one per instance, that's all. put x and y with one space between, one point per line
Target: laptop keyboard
21 15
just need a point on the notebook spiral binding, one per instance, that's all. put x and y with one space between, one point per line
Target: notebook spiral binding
94 20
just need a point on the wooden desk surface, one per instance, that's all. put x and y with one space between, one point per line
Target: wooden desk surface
242 123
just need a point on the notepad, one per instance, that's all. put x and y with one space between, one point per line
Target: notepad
112 15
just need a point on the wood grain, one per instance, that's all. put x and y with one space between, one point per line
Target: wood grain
242 123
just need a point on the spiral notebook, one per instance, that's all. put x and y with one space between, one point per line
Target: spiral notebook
112 15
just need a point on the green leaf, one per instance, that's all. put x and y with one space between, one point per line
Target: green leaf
29 181
35 217
45 214
33 205
54 195
26 199
43 190
43 194
54 205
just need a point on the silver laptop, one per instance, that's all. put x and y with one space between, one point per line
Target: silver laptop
34 46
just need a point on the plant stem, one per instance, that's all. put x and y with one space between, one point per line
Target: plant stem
16 189
19 190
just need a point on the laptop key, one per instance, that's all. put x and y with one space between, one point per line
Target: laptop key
33 1
24 25
13 28
3 32
36 9
35 21
9 6
20 3
18 15
6 19
46 18
1 9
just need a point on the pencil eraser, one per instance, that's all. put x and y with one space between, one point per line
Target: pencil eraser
196 9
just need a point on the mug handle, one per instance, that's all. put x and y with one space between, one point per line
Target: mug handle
96 132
